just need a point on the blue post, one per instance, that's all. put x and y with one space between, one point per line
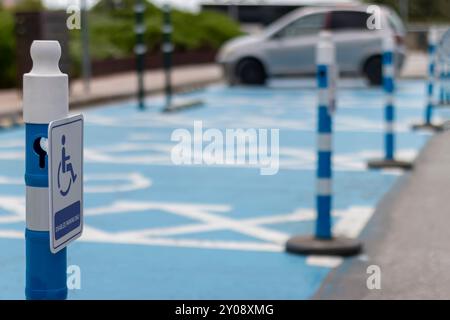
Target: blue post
428 124
167 49
324 242
389 160
45 98
446 83
431 80
389 109
140 50
324 155
442 82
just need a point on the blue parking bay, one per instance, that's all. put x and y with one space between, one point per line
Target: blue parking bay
156 230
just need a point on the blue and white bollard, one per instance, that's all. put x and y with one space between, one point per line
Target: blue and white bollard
442 83
447 82
167 49
441 70
140 51
45 98
444 94
433 39
323 242
389 84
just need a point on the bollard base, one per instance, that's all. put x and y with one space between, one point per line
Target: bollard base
46 273
183 105
428 126
336 246
390 164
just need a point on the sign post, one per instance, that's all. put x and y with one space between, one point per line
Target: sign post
323 242
45 99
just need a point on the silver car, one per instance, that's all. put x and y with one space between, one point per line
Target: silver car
287 47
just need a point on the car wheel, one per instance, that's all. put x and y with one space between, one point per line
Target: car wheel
250 71
373 71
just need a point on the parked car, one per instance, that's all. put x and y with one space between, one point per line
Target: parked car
287 47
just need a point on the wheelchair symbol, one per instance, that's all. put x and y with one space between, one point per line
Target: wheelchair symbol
65 167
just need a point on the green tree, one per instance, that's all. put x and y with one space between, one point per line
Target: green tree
7 49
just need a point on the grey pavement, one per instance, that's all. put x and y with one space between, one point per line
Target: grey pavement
408 237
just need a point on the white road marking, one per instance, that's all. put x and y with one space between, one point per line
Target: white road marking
350 223
16 207
324 261
290 158
125 182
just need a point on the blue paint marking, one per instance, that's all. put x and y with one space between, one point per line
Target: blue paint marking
131 187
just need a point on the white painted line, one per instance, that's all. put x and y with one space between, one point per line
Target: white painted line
324 261
350 224
131 182
353 222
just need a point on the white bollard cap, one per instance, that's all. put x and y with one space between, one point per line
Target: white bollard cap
326 50
433 36
45 87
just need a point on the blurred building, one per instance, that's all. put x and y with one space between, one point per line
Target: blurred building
263 12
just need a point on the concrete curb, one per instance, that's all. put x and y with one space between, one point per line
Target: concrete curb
14 118
407 237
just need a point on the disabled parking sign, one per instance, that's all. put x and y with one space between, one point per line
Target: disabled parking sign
65 154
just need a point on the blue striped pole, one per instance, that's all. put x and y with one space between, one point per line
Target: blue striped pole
446 82
388 69
45 98
167 49
325 65
431 76
323 242
441 70
433 38
389 87
444 76
442 90
140 50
